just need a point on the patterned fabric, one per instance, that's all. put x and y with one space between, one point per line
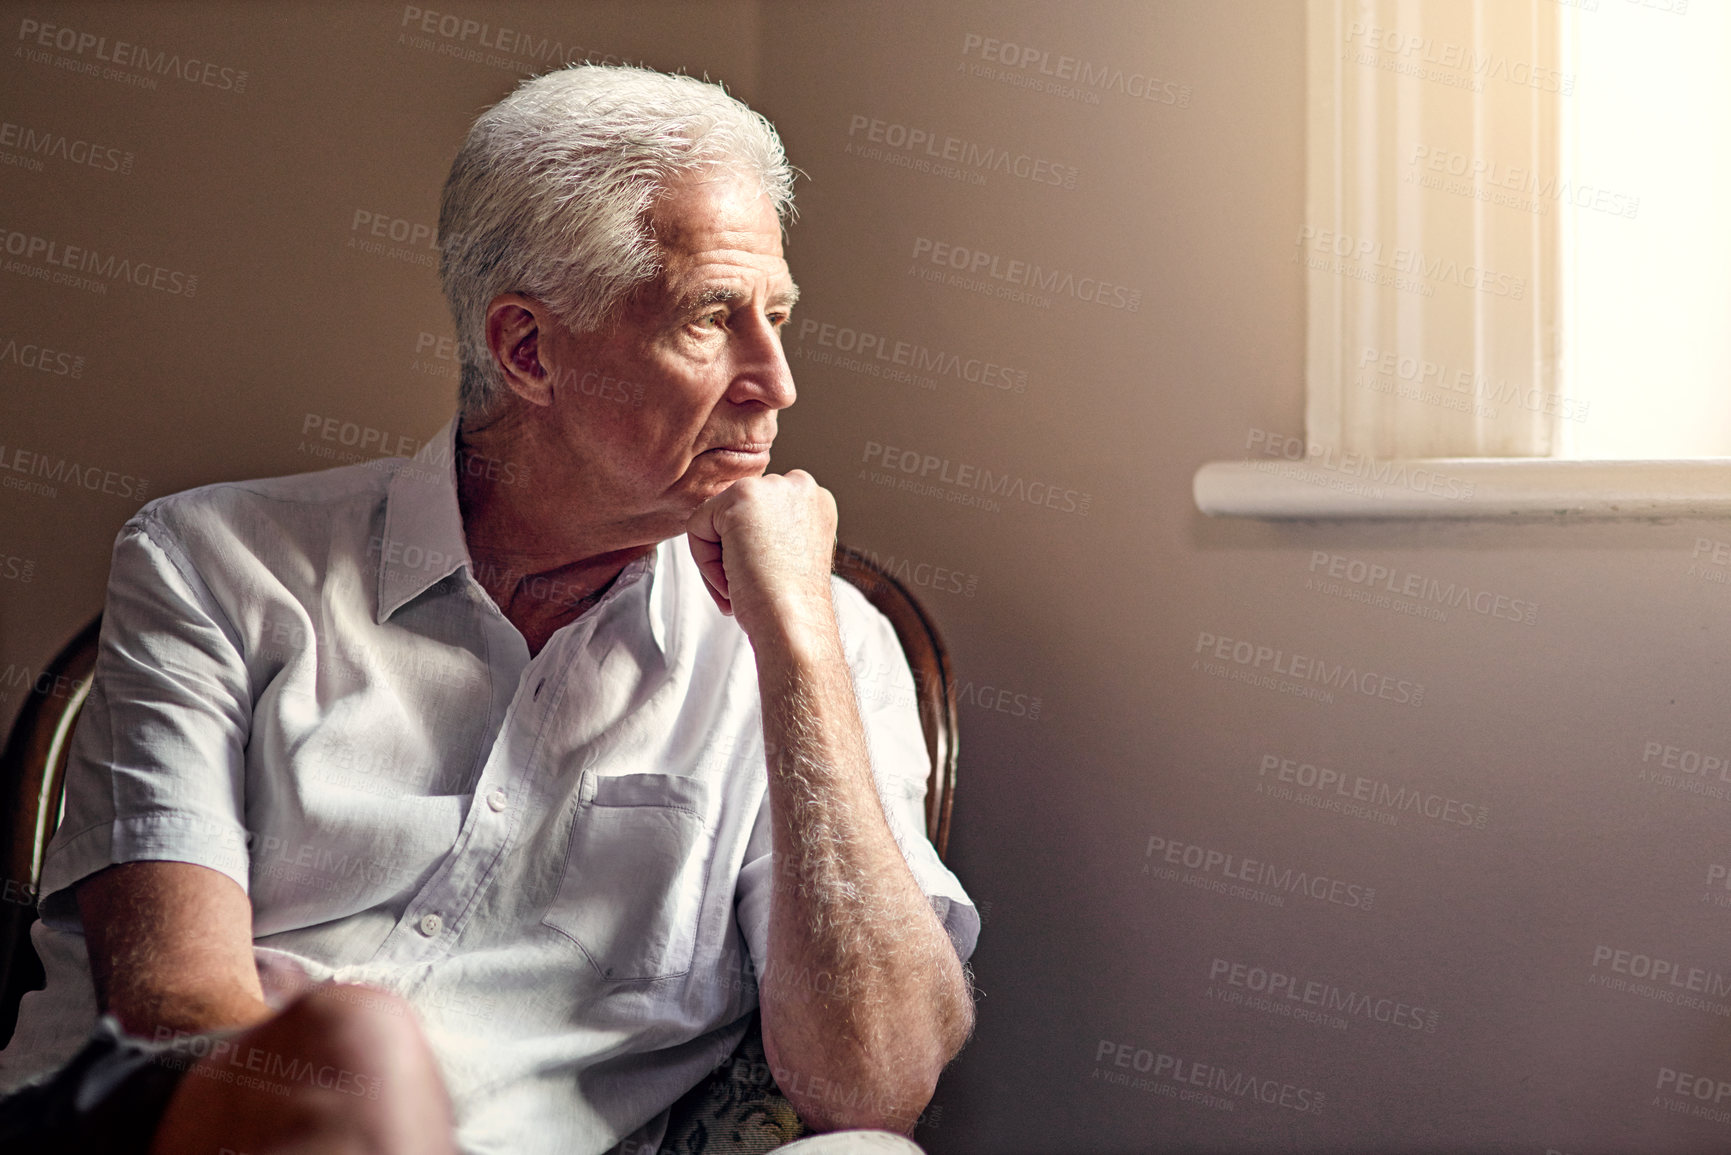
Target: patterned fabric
737 1110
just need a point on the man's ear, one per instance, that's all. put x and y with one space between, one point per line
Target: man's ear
517 331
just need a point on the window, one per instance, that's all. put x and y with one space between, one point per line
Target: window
1486 299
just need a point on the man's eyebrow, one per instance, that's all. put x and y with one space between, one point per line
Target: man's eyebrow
714 296
718 295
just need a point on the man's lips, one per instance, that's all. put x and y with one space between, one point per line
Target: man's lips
743 448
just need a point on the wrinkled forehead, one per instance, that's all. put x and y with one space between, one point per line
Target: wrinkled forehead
720 241
715 205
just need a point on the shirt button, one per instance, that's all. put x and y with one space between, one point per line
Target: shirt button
496 800
431 925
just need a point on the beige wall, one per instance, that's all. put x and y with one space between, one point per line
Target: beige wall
1091 729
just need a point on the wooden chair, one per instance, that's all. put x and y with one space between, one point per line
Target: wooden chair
738 1109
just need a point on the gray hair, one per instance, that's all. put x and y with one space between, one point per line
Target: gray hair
549 194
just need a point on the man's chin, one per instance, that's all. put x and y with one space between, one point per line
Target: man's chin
713 473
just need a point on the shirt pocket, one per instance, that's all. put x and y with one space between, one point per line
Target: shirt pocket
634 876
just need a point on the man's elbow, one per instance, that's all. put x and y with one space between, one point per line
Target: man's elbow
954 1024
901 1088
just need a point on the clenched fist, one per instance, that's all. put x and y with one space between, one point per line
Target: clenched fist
764 546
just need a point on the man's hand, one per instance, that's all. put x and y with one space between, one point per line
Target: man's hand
764 546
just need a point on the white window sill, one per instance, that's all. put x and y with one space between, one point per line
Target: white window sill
1485 488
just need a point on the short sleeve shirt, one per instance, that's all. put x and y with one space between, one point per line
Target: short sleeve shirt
562 861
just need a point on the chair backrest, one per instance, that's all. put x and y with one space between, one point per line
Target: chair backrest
934 685
32 770
33 767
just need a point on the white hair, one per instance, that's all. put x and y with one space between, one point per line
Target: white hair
549 194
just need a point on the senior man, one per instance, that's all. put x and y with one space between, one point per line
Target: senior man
474 802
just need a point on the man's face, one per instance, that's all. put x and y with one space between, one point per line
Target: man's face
679 399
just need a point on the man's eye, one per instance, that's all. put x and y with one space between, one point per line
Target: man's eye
712 321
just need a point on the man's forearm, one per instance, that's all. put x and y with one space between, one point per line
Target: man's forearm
864 1000
170 947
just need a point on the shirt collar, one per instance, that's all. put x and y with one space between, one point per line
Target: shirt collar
423 542
659 595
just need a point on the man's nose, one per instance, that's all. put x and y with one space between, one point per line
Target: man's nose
762 374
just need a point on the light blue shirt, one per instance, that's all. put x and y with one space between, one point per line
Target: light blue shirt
562 861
